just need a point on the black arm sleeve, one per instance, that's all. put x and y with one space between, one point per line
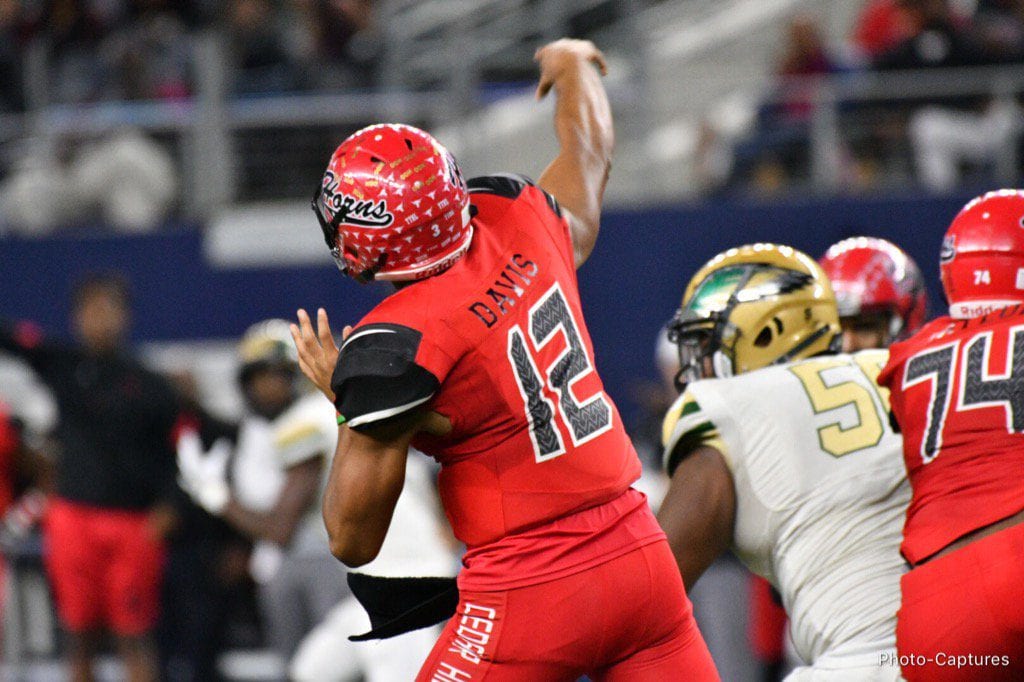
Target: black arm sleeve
510 186
377 377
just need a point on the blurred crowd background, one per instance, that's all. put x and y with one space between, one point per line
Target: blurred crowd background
177 143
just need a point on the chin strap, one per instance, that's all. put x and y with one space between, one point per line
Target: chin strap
370 273
834 345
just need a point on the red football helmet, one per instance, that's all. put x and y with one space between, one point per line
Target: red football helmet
393 205
871 275
982 256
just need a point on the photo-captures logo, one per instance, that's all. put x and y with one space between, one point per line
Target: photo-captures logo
948 250
349 210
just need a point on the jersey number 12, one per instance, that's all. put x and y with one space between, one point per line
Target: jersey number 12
584 420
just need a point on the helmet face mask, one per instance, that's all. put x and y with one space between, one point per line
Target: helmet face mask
329 226
696 343
333 237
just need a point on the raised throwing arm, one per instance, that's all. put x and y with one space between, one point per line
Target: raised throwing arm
583 124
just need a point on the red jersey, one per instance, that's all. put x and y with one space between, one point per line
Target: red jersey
537 462
958 395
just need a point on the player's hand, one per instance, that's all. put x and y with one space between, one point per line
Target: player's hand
557 57
203 475
318 354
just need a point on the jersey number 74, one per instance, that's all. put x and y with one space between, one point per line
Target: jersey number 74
978 387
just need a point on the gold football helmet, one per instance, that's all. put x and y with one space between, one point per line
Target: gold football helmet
267 345
754 306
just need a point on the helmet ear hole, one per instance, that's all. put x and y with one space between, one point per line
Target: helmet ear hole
764 338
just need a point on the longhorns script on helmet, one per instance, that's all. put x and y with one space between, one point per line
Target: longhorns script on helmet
355 211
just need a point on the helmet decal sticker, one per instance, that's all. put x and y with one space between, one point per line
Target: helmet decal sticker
352 210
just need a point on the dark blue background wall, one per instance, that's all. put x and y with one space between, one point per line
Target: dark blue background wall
630 286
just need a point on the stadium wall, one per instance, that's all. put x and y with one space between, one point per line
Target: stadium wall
630 287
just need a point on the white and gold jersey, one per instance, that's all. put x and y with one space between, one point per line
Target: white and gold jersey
821 493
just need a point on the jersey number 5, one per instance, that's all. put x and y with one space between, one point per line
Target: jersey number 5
832 396
585 420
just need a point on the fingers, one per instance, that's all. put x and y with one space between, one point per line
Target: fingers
324 329
346 332
306 327
296 336
579 49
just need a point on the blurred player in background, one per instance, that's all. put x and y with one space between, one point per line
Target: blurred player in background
956 395
782 449
115 478
879 291
277 467
481 360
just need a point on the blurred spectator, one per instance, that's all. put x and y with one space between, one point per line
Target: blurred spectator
344 42
128 178
880 26
73 31
149 54
257 51
938 39
945 140
949 132
125 180
115 478
779 148
999 27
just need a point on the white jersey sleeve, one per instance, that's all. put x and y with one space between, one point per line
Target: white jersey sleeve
307 429
686 428
821 492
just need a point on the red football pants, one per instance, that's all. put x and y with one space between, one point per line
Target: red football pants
105 568
627 619
962 615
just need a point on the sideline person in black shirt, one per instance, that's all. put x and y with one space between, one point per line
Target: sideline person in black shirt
115 477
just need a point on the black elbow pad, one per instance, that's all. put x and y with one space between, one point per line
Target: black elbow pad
377 378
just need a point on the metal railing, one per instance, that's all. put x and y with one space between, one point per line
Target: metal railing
437 57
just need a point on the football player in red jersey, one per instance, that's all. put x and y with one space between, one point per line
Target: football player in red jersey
879 289
481 359
956 393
